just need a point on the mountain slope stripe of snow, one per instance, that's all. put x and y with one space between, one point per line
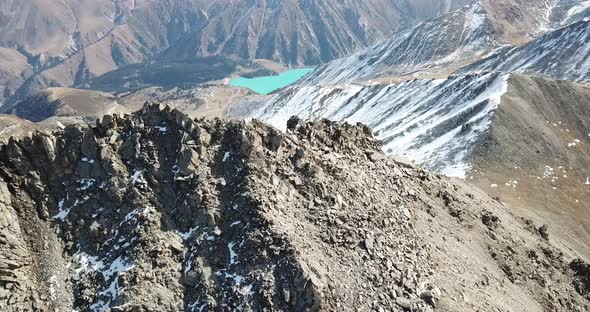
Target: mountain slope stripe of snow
562 54
453 37
435 122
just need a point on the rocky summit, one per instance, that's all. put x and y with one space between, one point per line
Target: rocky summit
155 211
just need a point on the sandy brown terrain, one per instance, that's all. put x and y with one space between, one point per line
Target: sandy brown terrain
537 159
14 70
519 21
66 102
209 101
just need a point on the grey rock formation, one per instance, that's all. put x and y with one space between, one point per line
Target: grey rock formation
159 212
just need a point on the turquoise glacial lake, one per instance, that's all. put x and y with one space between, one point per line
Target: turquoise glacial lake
268 84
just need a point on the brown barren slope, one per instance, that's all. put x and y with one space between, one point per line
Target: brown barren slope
537 158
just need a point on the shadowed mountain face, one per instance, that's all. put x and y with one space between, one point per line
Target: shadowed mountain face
67 43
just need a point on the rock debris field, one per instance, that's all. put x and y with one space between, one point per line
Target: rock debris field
155 211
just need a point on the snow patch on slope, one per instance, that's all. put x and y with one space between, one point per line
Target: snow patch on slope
435 122
110 273
562 54
578 9
475 18
456 36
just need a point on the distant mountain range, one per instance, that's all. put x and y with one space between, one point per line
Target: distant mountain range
562 54
440 46
50 43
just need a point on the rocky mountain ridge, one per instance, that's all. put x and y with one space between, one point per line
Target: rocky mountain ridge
156 211
423 120
535 129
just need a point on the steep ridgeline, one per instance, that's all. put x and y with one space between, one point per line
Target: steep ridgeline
434 122
442 45
158 212
562 54
452 38
537 155
512 135
68 43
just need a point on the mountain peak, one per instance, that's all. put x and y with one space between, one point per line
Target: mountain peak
158 205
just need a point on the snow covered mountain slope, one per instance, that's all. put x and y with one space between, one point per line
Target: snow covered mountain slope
432 121
562 54
450 38
519 21
515 136
438 123
442 45
568 12
435 122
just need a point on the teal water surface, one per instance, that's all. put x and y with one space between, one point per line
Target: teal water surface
268 84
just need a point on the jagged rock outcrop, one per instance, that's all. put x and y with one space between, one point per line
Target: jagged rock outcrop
159 212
